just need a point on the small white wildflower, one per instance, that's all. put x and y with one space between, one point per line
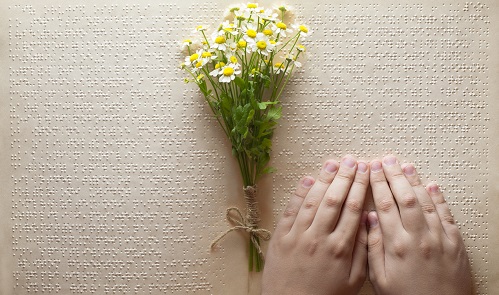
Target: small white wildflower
229 72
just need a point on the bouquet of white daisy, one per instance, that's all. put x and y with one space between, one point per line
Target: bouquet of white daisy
241 69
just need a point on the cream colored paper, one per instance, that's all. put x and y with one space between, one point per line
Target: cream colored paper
116 177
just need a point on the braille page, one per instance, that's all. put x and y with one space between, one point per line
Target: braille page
115 176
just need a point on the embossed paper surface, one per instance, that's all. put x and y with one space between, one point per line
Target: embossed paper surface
115 177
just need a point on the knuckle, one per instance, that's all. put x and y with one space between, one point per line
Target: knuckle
397 175
361 181
373 243
340 249
290 212
311 203
299 196
312 246
448 218
378 179
416 182
332 202
409 200
426 249
354 206
344 175
428 208
324 179
400 249
386 205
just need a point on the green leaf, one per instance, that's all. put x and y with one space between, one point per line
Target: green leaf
263 105
240 82
269 170
274 113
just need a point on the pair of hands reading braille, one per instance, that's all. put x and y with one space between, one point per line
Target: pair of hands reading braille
326 243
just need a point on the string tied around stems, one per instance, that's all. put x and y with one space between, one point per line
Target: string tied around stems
248 223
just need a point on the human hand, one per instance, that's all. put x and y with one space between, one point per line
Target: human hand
319 245
415 248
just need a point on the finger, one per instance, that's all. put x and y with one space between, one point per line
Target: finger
314 197
376 252
411 214
289 215
427 206
354 204
384 202
359 257
444 213
330 208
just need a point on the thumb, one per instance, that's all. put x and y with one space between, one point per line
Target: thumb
376 252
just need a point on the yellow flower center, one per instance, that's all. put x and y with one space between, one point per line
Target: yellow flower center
267 32
241 44
261 45
279 65
281 26
303 29
200 77
188 41
252 5
199 64
233 59
220 40
251 33
219 65
228 71
300 47
194 57
200 28
272 42
206 54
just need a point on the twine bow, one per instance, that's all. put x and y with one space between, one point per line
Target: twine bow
235 217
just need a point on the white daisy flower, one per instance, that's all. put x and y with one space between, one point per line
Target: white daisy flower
250 33
228 27
207 56
300 48
193 58
231 10
219 43
281 29
302 30
186 43
241 16
218 69
262 44
268 32
268 15
252 7
200 28
292 59
228 73
279 67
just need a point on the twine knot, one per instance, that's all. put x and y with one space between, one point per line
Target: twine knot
248 224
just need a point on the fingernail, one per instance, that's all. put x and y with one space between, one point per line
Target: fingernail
362 167
349 162
331 167
434 188
390 160
376 166
372 219
307 182
409 170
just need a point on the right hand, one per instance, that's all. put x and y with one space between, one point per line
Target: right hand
414 244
